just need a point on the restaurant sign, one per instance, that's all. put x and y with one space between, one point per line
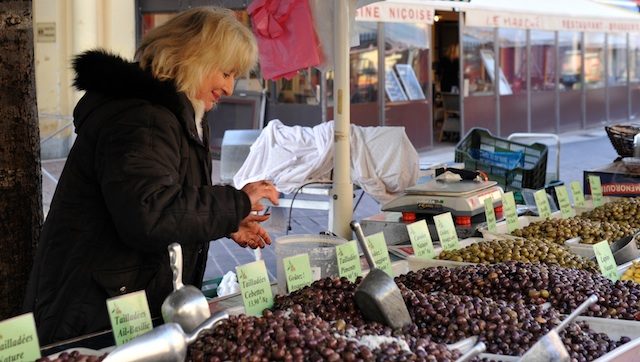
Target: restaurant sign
397 13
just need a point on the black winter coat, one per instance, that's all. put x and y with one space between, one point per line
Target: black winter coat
137 179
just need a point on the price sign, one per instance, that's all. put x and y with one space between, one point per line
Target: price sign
446 231
510 211
596 190
255 287
129 315
19 339
606 262
490 215
578 195
348 260
297 270
542 203
563 200
421 239
379 252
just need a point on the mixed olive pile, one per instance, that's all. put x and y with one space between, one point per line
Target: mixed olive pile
590 231
626 210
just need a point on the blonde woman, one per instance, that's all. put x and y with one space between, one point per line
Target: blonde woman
139 175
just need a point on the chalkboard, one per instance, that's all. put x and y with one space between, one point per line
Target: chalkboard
409 81
393 88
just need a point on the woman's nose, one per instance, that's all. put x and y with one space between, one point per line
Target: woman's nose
228 85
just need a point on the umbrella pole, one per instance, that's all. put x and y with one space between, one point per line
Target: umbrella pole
341 210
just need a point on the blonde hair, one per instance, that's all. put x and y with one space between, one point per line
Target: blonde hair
195 42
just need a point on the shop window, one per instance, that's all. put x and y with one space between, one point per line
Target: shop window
477 61
634 58
407 60
569 49
513 59
543 60
617 61
363 61
594 60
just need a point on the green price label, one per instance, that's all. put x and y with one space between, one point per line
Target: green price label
578 195
563 200
379 252
606 262
129 315
255 287
446 231
421 240
542 203
490 214
297 269
596 190
510 211
348 260
19 339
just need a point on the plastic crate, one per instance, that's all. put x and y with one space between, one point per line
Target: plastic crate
621 137
513 165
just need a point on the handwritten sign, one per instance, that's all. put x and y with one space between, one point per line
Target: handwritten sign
379 252
297 270
563 201
129 316
596 190
510 211
578 195
606 262
255 287
446 231
490 214
421 239
348 260
19 339
542 203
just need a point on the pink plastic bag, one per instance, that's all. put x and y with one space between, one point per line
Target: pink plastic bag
287 41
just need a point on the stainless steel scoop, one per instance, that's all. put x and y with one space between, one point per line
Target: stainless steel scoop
474 351
378 297
165 343
186 305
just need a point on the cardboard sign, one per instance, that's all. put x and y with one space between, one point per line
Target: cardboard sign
606 262
19 339
578 194
446 231
297 270
596 190
129 316
510 211
563 201
255 287
542 203
379 252
490 214
421 240
348 260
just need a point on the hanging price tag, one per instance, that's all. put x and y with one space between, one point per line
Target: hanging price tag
380 253
606 262
565 204
297 270
542 203
510 211
490 214
596 190
19 339
348 260
421 239
578 195
255 287
130 316
446 231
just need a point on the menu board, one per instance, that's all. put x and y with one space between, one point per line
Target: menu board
409 81
393 88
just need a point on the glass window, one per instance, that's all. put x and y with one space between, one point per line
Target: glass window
478 60
543 60
407 57
617 71
364 64
513 60
594 60
634 58
569 48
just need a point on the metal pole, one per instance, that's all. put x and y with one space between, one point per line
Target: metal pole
606 78
341 212
496 77
528 47
557 80
583 88
460 72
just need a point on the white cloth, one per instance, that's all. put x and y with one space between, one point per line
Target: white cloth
383 160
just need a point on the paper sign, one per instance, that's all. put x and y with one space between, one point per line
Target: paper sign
255 287
421 240
19 339
129 315
446 231
563 201
596 190
379 252
348 260
490 214
297 270
578 195
510 211
542 203
606 262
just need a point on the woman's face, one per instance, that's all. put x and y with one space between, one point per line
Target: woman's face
213 86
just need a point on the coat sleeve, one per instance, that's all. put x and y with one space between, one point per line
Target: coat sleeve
138 165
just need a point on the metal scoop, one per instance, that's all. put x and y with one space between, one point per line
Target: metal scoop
550 347
165 343
476 350
186 305
378 297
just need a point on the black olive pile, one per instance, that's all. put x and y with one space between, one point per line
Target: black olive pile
73 356
525 250
625 210
560 230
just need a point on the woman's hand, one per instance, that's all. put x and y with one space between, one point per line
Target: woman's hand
261 190
250 233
